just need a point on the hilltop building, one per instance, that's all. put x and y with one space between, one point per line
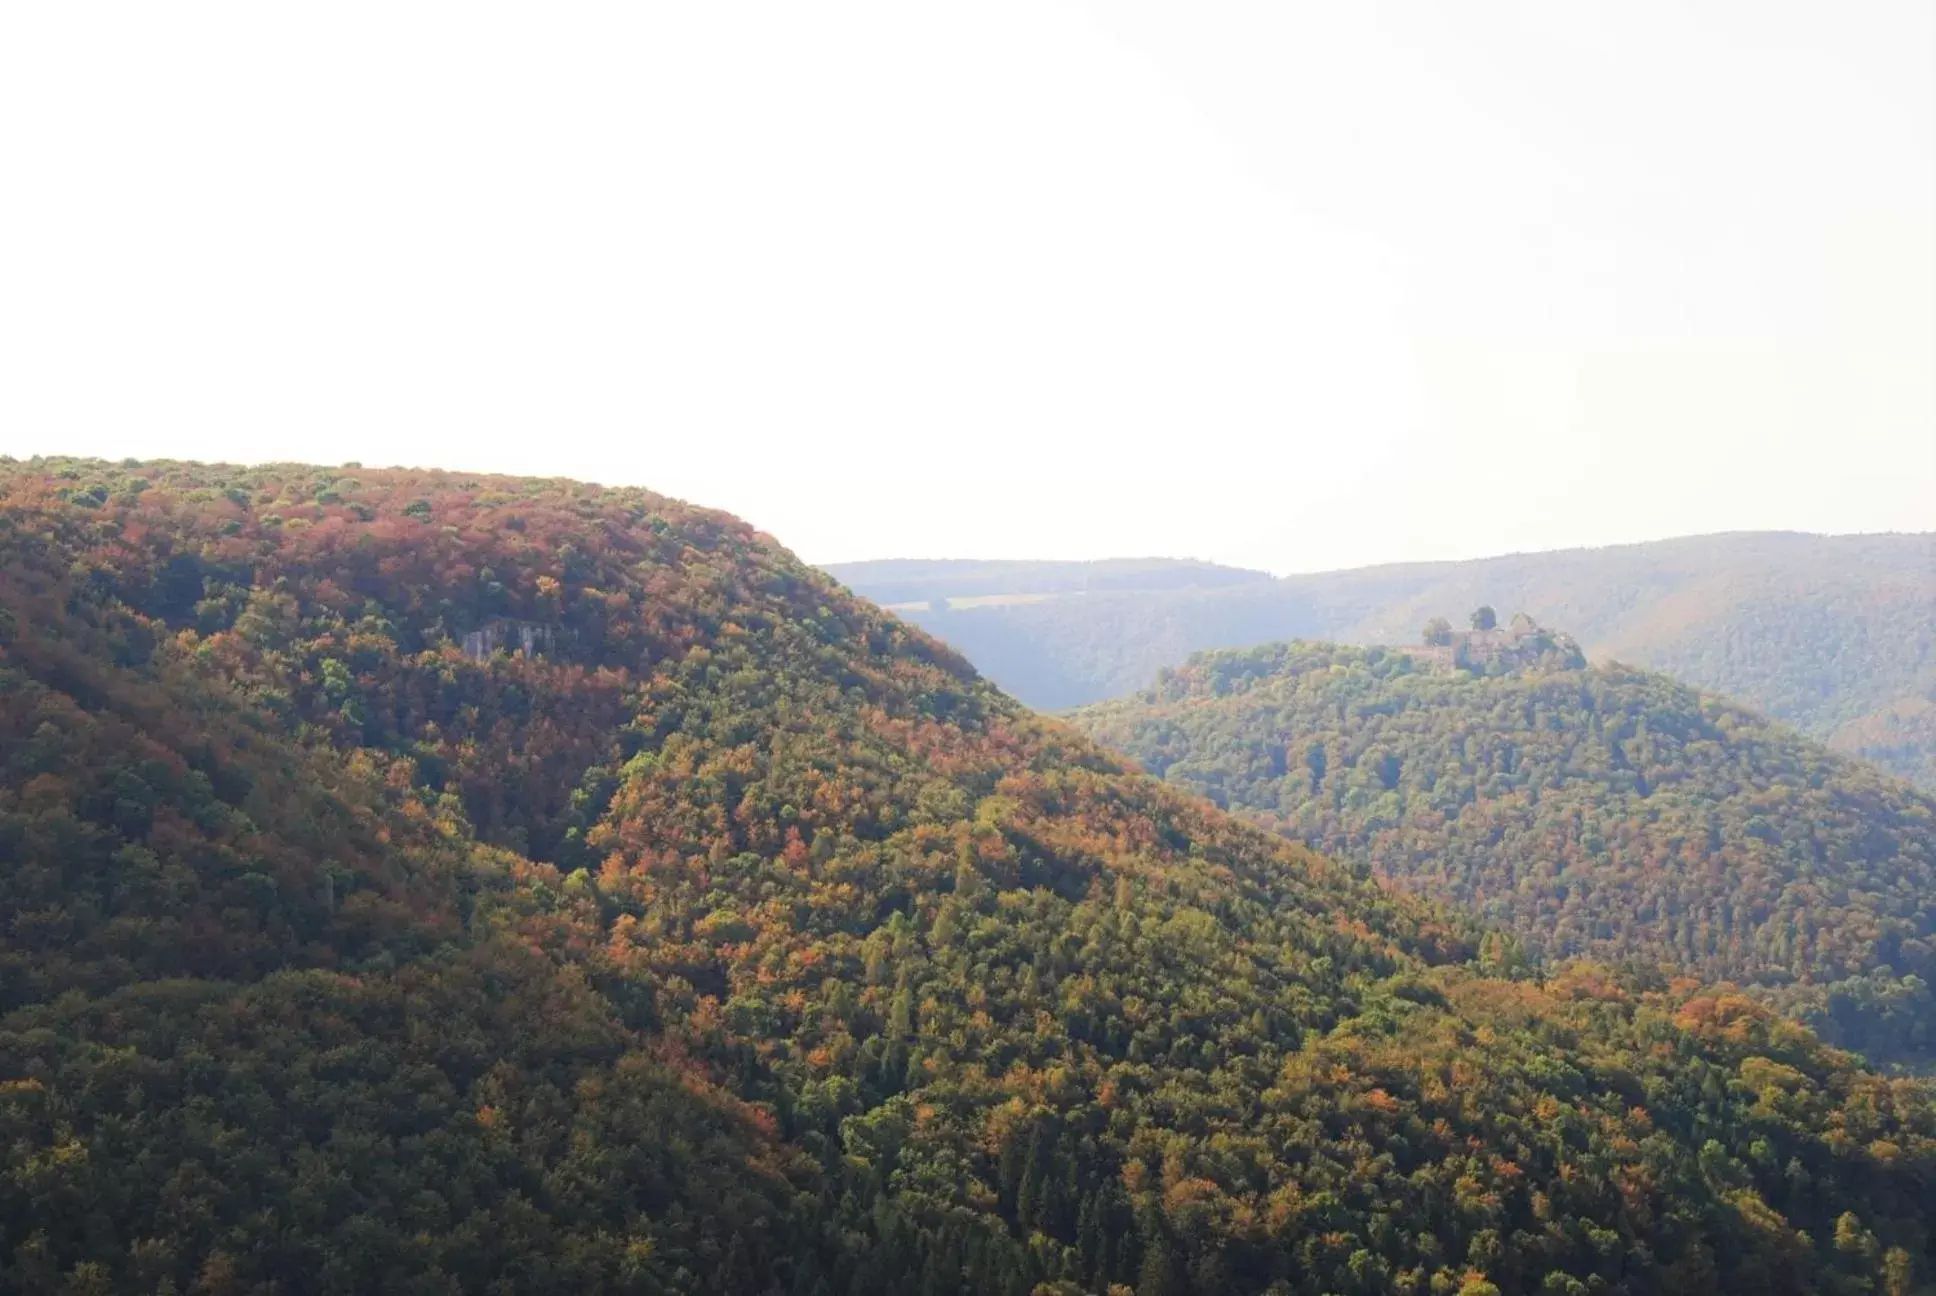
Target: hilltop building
1490 649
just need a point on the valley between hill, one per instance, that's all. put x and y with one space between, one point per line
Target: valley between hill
430 882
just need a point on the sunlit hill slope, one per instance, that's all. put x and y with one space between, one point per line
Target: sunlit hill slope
1602 810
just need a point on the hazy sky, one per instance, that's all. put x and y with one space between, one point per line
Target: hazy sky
1289 285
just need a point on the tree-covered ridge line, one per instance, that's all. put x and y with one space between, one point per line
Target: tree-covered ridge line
1605 811
737 938
1833 634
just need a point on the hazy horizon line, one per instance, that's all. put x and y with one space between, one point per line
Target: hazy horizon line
1739 532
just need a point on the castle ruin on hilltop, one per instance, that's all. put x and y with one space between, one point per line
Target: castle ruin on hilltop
1490 649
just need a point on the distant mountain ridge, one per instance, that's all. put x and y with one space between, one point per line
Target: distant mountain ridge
1834 634
898 580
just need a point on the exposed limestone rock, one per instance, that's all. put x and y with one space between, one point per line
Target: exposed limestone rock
525 638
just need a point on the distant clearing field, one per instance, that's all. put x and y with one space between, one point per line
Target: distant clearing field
968 602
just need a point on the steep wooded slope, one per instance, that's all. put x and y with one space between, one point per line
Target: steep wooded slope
1607 811
421 882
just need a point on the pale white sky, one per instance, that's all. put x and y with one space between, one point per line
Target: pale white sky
1289 285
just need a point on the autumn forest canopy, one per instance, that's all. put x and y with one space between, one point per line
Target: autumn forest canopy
420 882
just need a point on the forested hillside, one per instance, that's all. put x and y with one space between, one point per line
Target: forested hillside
418 882
1607 811
1835 634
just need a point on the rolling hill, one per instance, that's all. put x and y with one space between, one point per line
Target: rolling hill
1834 634
1605 810
423 882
